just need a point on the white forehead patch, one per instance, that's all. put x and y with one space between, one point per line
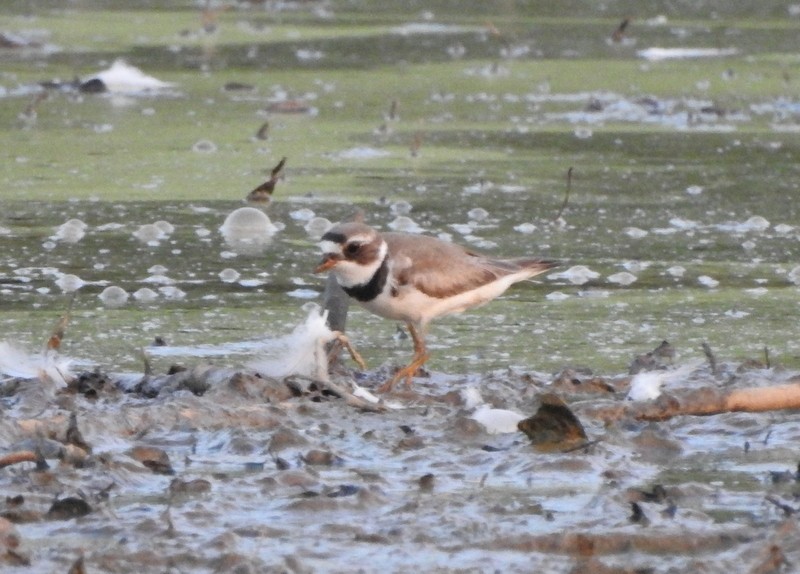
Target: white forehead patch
330 247
360 238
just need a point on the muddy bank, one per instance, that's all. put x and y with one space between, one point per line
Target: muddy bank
216 470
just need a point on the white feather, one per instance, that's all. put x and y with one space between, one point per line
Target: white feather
122 77
497 421
647 385
302 352
47 366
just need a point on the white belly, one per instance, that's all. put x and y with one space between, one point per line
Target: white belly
414 306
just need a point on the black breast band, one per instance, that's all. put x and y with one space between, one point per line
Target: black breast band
368 291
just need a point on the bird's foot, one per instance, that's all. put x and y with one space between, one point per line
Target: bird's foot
406 373
341 340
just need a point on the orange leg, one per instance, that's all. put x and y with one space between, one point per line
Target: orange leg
420 357
341 340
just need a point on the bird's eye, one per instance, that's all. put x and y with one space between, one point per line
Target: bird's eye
352 248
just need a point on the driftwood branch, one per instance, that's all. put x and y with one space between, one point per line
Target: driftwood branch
350 398
703 402
587 544
17 457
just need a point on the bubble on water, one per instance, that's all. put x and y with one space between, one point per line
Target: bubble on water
556 296
456 50
783 228
159 280
480 187
577 275
202 232
248 231
204 146
69 283
622 278
171 292
636 266
4 230
303 214
736 313
362 152
462 228
317 227
583 132
694 189
635 232
681 223
749 245
165 226
157 269
480 242
794 275
757 291
478 214
597 294
305 55
676 271
113 226
707 281
145 295
303 294
71 231
229 275
149 233
401 207
526 228
114 296
251 282
509 188
756 223
405 224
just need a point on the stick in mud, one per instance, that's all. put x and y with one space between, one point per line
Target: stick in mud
566 195
704 402
712 360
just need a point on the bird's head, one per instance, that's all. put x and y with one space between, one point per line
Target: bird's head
353 252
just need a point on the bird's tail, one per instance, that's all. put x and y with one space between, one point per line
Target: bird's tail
537 266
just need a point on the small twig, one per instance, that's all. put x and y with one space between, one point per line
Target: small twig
148 370
74 436
617 35
580 446
787 510
263 131
350 398
416 144
17 457
54 342
566 195
766 357
712 360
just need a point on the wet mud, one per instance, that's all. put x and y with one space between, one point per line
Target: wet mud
212 469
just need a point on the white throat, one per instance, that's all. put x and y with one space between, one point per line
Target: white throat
351 273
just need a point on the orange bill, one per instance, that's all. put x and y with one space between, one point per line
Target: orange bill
328 261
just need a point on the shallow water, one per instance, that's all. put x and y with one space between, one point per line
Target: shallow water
683 142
